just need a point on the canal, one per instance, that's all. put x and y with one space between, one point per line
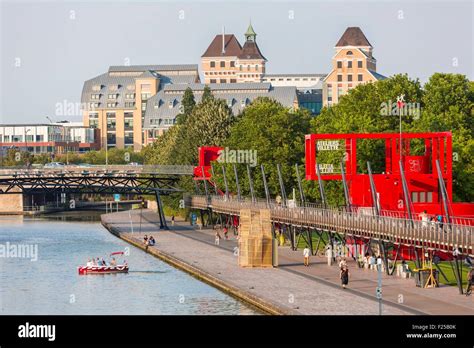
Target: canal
46 281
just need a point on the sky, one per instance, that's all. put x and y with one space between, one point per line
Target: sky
49 48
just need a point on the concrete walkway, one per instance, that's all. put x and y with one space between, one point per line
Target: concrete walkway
290 288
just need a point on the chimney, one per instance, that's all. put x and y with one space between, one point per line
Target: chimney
223 40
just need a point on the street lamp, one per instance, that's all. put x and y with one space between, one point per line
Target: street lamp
378 291
26 143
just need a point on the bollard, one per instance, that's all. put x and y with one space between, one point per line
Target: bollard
275 252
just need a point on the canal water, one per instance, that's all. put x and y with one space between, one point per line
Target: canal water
47 281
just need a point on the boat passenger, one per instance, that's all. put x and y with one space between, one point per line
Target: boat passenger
89 263
113 262
98 262
103 262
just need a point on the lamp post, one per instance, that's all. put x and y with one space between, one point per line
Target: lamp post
26 145
378 291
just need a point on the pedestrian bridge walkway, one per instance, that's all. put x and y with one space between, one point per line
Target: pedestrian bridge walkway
425 235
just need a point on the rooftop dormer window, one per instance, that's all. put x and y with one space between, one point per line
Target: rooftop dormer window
244 102
349 53
171 103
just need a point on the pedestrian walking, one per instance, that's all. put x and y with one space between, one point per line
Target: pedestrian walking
344 274
306 253
470 280
343 263
172 220
217 238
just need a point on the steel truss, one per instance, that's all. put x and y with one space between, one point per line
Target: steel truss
119 184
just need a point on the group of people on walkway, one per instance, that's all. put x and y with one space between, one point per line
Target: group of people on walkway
433 220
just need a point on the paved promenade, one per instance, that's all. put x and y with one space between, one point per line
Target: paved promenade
289 289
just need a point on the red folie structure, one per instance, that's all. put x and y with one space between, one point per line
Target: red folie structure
206 154
420 171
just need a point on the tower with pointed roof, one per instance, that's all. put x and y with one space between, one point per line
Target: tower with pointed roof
353 64
251 62
226 61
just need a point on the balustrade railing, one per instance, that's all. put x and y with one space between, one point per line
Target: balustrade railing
429 234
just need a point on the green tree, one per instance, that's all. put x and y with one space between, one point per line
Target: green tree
206 94
277 135
448 105
188 103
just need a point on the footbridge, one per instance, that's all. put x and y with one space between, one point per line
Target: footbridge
105 180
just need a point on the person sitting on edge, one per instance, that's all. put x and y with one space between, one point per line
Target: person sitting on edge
145 239
151 241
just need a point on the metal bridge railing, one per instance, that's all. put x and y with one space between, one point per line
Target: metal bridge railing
431 235
99 170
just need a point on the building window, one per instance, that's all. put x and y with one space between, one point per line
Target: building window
248 67
213 80
339 64
349 53
232 64
111 139
93 120
111 121
111 105
222 64
349 78
145 96
128 138
112 96
359 77
349 64
339 78
340 92
233 80
359 64
329 93
223 81
129 104
95 96
213 64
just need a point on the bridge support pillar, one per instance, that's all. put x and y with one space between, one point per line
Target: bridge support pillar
161 213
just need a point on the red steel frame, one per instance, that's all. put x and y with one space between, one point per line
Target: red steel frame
206 154
420 171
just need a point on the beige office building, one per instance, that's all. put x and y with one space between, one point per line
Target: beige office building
115 102
352 64
226 61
